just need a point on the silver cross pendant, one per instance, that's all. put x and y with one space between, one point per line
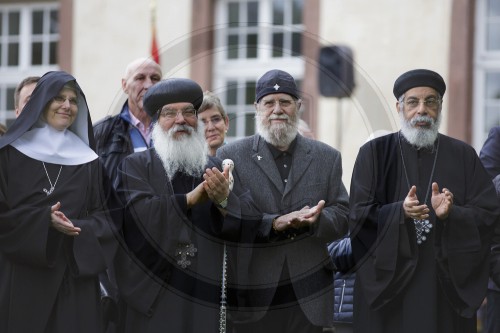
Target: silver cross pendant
183 252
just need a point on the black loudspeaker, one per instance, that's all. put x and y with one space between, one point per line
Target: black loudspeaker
336 74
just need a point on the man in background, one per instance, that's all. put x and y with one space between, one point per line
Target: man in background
23 93
490 157
129 131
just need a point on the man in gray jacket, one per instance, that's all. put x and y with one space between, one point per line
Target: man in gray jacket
297 184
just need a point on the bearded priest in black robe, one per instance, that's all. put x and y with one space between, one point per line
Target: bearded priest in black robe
55 226
422 213
182 222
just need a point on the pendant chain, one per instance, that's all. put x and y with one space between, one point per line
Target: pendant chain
223 302
52 186
421 226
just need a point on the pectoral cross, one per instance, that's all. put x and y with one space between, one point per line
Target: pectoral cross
422 227
184 251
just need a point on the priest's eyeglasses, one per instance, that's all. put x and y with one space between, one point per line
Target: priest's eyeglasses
61 99
431 103
170 114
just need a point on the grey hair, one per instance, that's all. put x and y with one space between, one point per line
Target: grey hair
210 100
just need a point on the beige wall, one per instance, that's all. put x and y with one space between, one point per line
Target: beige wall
107 35
388 37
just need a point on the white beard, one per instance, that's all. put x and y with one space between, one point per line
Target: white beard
279 135
188 154
420 137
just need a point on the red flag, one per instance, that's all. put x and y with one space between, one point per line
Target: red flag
154 47
154 43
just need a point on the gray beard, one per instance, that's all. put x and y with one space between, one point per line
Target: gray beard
188 155
420 137
278 135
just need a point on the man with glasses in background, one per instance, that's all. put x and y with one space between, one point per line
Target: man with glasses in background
422 212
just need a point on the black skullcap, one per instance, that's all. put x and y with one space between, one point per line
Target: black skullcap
169 91
276 81
419 78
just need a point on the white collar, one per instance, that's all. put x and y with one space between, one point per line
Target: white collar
49 145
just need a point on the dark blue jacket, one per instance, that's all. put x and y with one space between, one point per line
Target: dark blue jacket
341 254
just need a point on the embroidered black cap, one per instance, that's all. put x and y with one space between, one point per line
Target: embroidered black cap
418 78
174 90
275 81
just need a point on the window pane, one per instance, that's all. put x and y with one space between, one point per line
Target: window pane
232 46
278 12
13 56
250 92
296 44
493 8
232 93
37 25
54 22
53 53
297 8
493 36
14 23
233 14
492 118
36 53
252 41
253 13
1 23
493 86
10 98
232 124
249 124
277 45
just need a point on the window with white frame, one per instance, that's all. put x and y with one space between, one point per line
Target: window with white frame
29 35
486 70
252 37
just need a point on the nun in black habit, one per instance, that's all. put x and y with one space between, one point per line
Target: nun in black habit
55 232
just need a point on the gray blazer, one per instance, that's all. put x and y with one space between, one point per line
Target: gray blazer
315 175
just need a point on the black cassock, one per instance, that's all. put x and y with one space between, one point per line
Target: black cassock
436 286
48 281
170 267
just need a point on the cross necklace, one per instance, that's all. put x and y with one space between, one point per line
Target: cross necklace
422 227
52 186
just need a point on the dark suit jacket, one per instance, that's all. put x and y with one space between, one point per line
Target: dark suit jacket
490 153
315 174
490 157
